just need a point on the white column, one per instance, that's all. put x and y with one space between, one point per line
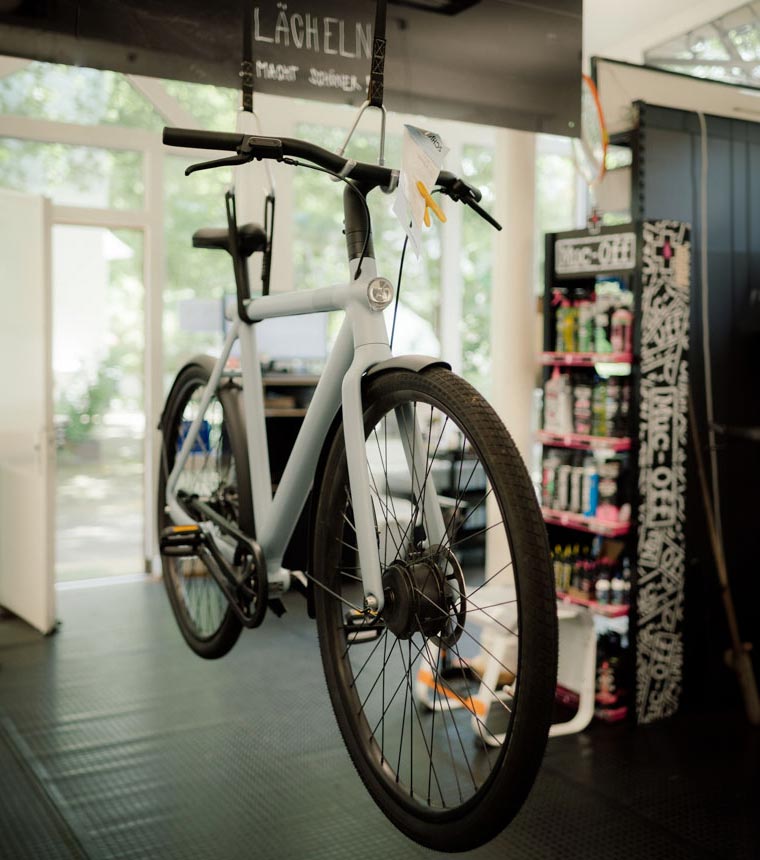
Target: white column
513 315
154 268
451 271
513 318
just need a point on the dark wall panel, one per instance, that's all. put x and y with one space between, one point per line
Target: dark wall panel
667 175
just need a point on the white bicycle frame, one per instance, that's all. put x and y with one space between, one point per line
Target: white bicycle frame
361 343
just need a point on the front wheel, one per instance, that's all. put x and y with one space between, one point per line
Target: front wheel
444 699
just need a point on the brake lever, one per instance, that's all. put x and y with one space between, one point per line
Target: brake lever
232 161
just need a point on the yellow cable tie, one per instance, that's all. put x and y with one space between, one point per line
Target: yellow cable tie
429 204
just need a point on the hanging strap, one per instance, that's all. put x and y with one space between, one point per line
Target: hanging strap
246 66
377 68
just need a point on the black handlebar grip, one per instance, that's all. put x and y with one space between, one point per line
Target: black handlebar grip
197 139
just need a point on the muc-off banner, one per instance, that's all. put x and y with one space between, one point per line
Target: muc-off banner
663 409
512 63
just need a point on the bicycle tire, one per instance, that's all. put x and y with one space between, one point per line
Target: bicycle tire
211 629
423 812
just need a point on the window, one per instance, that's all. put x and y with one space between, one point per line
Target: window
76 95
73 175
196 280
558 189
215 108
477 264
319 252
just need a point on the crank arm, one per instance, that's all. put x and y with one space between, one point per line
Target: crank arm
195 505
221 574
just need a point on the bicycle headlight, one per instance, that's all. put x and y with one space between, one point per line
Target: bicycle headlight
379 293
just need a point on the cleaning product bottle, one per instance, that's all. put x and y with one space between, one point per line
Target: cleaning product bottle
566 317
565 404
621 334
549 479
590 487
617 588
602 585
599 408
601 324
558 403
612 406
585 339
558 567
582 394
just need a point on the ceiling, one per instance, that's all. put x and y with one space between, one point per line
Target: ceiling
512 63
726 48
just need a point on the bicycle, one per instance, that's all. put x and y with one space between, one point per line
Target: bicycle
427 566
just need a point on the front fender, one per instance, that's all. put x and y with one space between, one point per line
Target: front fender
415 363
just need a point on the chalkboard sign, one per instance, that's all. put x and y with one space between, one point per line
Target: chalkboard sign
512 63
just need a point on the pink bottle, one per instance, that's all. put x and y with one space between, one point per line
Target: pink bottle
621 330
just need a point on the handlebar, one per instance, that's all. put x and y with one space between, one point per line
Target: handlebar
248 147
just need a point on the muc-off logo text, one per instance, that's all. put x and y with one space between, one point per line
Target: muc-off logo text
611 252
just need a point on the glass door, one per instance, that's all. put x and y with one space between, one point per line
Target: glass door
98 350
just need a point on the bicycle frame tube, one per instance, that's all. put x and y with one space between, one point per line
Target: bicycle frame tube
175 510
361 343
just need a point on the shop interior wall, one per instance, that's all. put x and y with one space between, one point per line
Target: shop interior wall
667 167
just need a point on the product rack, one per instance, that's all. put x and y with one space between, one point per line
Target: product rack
584 359
652 258
606 609
581 523
582 442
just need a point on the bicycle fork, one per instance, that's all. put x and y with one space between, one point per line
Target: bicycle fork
370 347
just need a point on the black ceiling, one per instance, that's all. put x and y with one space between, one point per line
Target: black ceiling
503 62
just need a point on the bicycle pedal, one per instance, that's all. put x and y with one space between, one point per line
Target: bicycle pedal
181 540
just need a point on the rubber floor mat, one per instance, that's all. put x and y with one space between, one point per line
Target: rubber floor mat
142 750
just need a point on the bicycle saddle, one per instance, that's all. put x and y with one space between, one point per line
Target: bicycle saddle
251 238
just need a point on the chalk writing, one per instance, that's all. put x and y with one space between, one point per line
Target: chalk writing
304 31
334 80
276 71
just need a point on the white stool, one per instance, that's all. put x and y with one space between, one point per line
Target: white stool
490 704
577 663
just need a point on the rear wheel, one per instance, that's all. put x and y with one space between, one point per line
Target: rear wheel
217 472
444 699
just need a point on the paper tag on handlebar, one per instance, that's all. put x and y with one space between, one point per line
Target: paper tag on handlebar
422 155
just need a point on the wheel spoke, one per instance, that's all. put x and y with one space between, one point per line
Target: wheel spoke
431 730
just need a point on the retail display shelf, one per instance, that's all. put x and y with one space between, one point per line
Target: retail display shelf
605 609
289 380
585 359
285 412
584 443
580 523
